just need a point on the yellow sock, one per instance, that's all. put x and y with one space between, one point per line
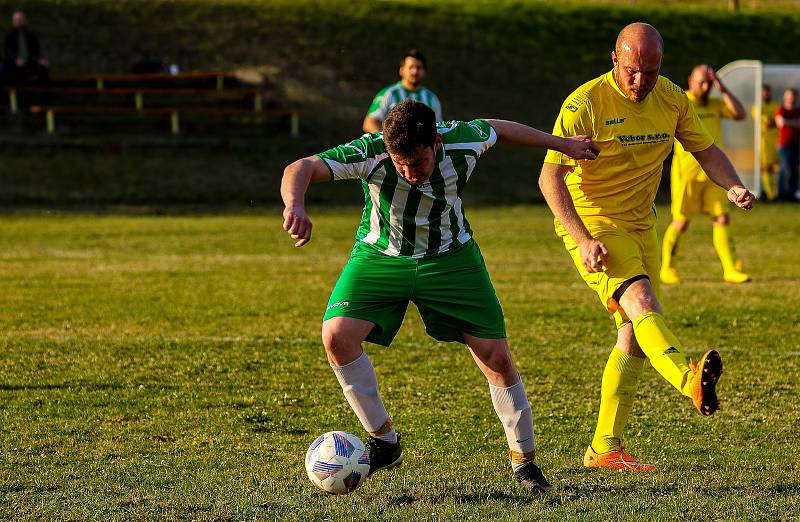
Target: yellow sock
767 183
663 349
669 245
724 247
616 399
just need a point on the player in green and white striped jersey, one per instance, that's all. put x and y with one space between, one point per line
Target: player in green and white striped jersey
415 244
413 68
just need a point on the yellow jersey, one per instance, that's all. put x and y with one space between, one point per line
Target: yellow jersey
769 134
634 139
711 114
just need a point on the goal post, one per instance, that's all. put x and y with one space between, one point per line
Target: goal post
742 139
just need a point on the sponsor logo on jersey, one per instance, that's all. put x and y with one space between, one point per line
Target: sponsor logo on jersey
670 350
571 108
446 126
339 304
355 149
477 128
615 121
643 139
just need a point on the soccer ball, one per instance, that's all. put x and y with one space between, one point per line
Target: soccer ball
337 462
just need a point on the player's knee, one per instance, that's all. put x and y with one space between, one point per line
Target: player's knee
680 225
333 336
499 360
639 298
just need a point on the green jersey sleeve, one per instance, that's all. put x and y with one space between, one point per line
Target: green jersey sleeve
476 135
354 160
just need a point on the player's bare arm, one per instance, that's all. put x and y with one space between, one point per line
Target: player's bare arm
371 124
731 101
578 147
719 168
296 179
554 189
782 121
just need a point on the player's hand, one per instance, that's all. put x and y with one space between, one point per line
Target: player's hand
593 255
741 197
297 223
714 79
580 147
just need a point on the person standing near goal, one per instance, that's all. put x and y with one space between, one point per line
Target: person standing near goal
605 215
415 244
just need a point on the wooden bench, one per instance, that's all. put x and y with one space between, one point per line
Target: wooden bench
138 93
174 112
138 86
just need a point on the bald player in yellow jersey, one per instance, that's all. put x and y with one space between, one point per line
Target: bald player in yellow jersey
692 191
605 216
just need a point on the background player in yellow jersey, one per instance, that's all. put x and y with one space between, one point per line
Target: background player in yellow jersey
692 191
605 216
769 143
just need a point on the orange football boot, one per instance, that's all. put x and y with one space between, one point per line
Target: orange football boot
615 459
706 373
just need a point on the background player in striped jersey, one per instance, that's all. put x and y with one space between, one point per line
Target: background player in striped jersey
415 244
413 68
692 191
605 216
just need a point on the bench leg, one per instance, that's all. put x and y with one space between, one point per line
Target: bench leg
295 124
176 123
51 122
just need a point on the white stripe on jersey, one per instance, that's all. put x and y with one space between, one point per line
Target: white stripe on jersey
463 236
450 196
421 219
375 216
396 222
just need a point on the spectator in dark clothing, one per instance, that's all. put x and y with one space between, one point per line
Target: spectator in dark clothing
787 119
22 58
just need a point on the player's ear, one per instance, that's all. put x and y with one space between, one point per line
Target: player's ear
614 58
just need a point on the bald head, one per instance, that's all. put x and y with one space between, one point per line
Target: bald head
637 60
700 82
639 37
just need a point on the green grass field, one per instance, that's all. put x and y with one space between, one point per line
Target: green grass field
170 368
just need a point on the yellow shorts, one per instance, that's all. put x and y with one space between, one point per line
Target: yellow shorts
632 254
693 196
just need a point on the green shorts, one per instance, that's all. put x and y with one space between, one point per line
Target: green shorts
452 291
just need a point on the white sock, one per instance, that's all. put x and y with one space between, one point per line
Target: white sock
512 407
360 386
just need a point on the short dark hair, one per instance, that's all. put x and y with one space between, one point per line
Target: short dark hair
413 53
409 125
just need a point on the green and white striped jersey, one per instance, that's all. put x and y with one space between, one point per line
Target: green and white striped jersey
390 96
401 219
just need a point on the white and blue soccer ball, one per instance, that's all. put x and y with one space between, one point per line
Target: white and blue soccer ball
337 462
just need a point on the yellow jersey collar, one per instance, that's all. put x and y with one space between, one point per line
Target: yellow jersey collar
610 78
